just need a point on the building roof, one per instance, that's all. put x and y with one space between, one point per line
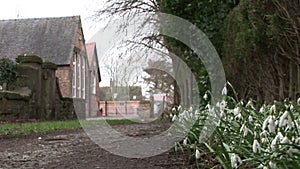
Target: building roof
91 52
52 39
92 56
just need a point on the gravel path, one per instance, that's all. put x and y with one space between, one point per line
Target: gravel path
74 149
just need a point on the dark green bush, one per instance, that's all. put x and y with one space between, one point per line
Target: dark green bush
7 71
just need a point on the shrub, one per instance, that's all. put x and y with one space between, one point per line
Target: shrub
7 71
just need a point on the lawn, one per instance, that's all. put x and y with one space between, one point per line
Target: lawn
48 126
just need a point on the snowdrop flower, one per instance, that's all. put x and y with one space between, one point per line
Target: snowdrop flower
191 109
173 109
262 109
222 105
257 126
285 140
271 125
171 115
265 123
274 143
250 119
197 113
208 105
245 130
256 146
224 91
298 101
174 118
262 166
279 135
179 108
282 120
205 97
273 108
291 107
264 140
185 142
297 140
264 133
235 160
39 138
197 154
236 111
239 117
250 104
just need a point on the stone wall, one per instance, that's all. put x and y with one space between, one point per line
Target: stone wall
36 93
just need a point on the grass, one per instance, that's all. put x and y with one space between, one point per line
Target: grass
48 126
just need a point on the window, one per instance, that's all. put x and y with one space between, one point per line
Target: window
74 81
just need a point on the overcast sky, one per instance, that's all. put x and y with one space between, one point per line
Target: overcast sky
13 9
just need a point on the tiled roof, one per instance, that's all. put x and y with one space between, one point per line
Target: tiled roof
52 39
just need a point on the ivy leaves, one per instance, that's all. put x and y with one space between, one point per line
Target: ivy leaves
7 71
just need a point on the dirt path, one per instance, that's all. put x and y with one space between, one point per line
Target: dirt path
74 149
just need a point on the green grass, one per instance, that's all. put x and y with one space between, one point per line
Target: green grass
48 126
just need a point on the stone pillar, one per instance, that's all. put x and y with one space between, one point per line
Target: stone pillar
48 91
31 70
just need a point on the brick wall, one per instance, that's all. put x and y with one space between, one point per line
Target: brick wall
64 75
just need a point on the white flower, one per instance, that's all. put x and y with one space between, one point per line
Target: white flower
239 117
236 111
222 105
264 133
256 146
271 125
264 140
224 91
197 113
205 97
179 108
197 154
265 123
298 101
249 104
274 143
174 118
282 120
185 142
257 126
291 107
285 140
262 166
250 119
171 115
222 114
173 109
262 109
273 108
279 135
297 140
39 138
245 130
191 109
235 160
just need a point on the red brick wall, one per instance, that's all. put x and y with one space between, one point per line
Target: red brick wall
64 74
